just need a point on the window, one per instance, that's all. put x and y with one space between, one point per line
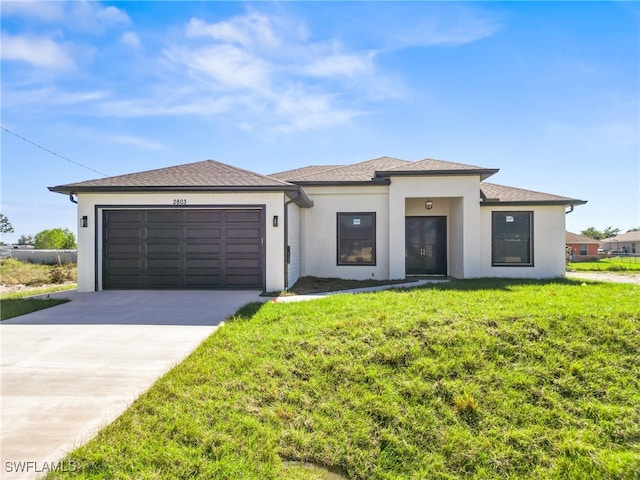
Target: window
512 234
584 249
356 239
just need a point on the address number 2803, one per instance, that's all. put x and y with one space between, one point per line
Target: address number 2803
181 202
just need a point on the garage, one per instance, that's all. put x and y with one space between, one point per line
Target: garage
191 248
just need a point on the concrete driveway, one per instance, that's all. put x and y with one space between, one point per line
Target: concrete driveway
69 370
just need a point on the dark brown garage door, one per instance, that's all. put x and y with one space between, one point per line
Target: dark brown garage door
183 249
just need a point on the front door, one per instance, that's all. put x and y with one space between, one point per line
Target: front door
426 245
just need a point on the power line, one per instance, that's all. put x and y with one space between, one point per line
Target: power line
52 152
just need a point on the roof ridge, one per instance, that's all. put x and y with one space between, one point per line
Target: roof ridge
250 172
321 172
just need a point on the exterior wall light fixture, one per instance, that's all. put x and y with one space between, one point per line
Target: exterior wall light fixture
428 204
84 221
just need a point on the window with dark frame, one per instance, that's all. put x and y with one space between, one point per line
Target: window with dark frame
512 239
584 249
356 239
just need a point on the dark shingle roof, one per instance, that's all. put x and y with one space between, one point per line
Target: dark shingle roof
493 194
357 172
431 166
632 236
210 175
207 175
298 173
379 169
575 238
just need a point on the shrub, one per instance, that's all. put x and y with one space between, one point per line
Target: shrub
61 273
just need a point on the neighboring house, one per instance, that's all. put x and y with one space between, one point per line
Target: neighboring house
212 225
626 243
581 248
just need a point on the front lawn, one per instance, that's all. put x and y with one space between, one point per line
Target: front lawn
613 264
473 379
14 307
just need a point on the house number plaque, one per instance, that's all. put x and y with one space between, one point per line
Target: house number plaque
181 202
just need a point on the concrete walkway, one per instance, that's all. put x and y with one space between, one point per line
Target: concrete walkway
69 370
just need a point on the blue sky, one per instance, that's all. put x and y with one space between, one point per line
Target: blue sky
548 92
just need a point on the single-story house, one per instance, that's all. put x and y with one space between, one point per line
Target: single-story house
212 225
625 243
581 248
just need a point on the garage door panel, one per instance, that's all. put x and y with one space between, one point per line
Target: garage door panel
240 233
242 249
203 262
243 216
126 249
207 216
164 263
241 264
203 249
132 231
154 235
163 249
194 234
181 248
127 281
123 216
131 264
163 216
167 281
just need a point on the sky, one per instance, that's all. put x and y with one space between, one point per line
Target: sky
548 92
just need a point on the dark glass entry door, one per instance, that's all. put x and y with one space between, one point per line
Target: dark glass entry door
426 245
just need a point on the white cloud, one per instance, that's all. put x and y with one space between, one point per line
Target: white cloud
300 110
131 39
93 17
81 15
277 89
341 65
441 25
197 104
229 66
253 29
264 72
138 142
47 11
38 51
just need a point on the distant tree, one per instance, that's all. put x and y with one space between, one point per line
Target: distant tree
5 226
55 238
592 232
610 232
25 240
634 229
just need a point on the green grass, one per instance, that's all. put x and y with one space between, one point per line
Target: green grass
486 379
38 279
15 307
38 291
614 264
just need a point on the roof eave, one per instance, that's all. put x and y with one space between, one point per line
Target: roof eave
71 189
493 203
335 183
484 173
299 197
294 192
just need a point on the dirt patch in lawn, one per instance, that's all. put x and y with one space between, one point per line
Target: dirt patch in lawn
607 277
309 285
